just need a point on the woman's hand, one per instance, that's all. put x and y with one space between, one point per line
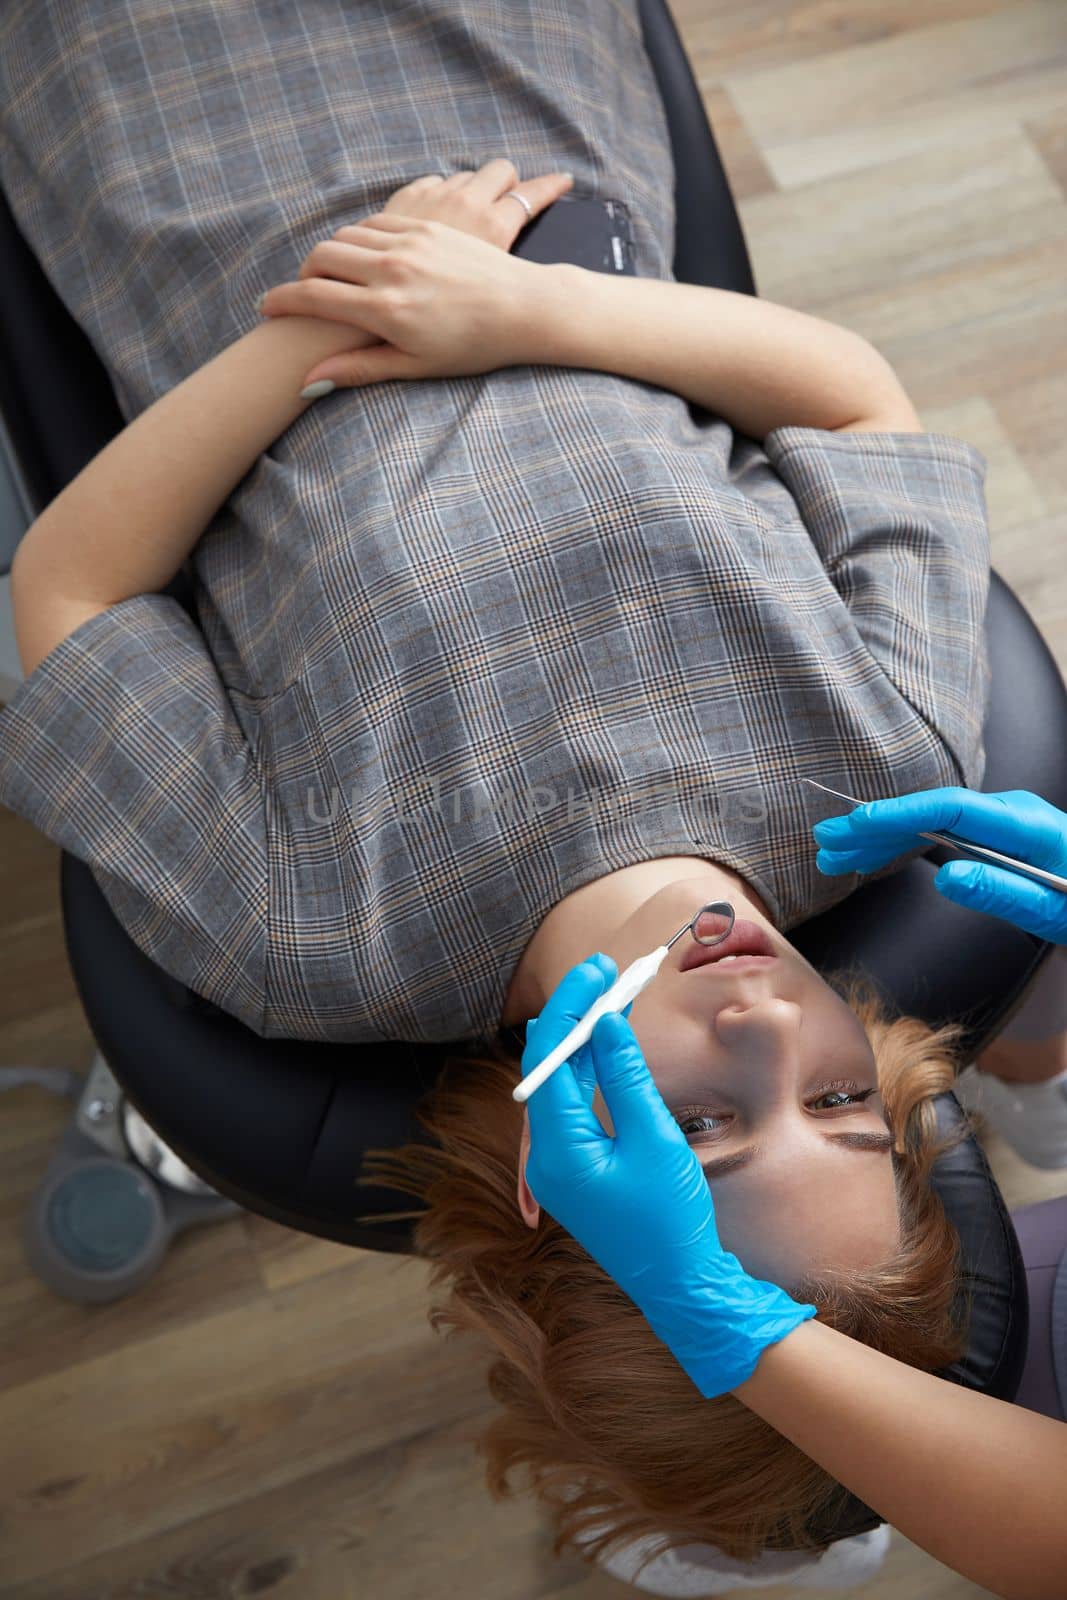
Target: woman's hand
477 203
444 304
441 305
1016 822
638 1202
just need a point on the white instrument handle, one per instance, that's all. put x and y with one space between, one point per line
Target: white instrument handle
627 986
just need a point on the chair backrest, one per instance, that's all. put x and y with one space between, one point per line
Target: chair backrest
279 1126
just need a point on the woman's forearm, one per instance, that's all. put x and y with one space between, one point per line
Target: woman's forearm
757 364
126 523
977 1483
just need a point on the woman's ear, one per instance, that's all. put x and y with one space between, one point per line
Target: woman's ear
529 1207
531 1211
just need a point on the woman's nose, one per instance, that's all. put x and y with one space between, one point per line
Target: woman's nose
741 1022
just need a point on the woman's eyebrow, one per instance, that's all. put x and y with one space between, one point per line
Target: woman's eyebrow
718 1166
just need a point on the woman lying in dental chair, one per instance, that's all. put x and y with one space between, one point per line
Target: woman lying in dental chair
499 664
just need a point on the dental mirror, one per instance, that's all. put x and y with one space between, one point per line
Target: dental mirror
711 925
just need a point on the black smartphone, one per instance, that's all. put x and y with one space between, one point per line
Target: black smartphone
590 233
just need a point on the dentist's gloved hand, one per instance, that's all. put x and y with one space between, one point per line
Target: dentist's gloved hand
1016 822
639 1203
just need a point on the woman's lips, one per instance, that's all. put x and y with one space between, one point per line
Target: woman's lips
746 939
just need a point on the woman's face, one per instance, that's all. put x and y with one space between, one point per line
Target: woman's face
743 1060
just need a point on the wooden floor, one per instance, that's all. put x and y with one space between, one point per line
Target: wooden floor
271 1415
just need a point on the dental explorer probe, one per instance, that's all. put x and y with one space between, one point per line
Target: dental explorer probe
627 986
957 843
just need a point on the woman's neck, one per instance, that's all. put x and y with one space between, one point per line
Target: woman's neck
583 920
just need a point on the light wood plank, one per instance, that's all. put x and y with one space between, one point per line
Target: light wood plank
943 83
908 228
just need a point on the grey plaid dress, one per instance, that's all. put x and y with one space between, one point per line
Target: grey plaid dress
464 644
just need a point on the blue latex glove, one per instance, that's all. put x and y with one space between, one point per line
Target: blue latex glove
639 1202
1016 822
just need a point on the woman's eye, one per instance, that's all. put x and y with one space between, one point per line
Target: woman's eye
684 1121
828 1099
835 1097
844 1097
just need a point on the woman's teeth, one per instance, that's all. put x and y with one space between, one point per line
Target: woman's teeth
723 959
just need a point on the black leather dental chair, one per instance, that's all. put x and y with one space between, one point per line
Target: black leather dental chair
277 1127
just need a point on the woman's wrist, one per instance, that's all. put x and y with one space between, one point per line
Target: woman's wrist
300 343
545 312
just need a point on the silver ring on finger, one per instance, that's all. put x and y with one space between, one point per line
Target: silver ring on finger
513 194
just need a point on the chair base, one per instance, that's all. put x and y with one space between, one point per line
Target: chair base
111 1200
